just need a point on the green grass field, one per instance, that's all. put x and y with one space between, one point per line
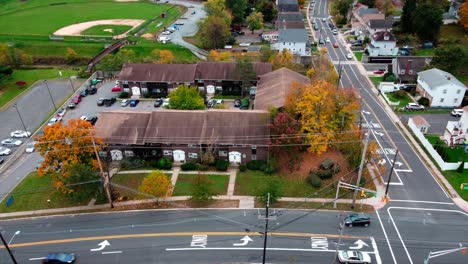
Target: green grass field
9 89
456 179
132 181
184 184
376 81
358 55
106 30
403 101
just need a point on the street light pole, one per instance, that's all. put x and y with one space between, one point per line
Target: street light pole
266 228
71 84
52 99
21 119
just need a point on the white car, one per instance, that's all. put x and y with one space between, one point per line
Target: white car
4 151
327 40
324 19
11 142
352 256
125 102
349 56
414 106
20 134
61 112
166 32
245 44
457 112
179 23
30 147
54 120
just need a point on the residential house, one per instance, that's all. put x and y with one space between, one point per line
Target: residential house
382 44
290 20
361 15
160 79
456 132
294 40
375 25
274 87
184 135
270 36
287 6
441 88
406 68
421 123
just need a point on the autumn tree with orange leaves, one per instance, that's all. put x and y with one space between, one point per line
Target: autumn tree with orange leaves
325 112
156 184
63 148
463 13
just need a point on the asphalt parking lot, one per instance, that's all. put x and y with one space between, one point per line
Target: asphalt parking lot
438 122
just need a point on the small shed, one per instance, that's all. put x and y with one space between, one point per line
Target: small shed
421 123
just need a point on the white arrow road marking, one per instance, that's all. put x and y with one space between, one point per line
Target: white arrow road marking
36 258
398 163
101 245
245 240
382 162
378 133
359 244
365 112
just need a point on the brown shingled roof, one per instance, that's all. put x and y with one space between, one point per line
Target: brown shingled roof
182 73
420 121
273 88
226 70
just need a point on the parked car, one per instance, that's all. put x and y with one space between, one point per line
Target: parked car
324 19
116 89
61 112
352 256
76 99
158 102
91 119
335 45
71 105
245 44
100 101
11 142
179 23
457 112
316 27
30 147
20 134
237 103
59 258
1 161
125 102
193 12
4 151
349 56
54 120
357 220
211 103
134 102
84 93
379 71
327 40
219 101
414 106
165 102
166 32
335 31
91 90
109 101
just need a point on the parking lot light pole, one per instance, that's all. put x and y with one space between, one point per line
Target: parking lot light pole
52 99
21 119
71 84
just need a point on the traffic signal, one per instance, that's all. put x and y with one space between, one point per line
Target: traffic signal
363 194
386 199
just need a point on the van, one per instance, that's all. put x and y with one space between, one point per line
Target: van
457 112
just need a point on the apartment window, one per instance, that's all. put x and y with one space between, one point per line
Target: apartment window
444 91
455 100
103 154
129 153
222 153
441 100
193 145
144 90
458 91
254 157
193 155
167 152
254 150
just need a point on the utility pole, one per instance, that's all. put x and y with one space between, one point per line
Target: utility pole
21 119
339 239
51 98
8 249
390 174
266 228
71 84
103 175
361 167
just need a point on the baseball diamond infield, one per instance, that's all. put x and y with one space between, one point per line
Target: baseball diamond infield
76 29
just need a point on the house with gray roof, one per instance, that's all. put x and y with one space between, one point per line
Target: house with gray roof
406 68
441 88
290 20
382 43
287 6
375 25
295 40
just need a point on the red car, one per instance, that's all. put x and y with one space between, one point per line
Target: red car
379 72
116 89
76 99
335 45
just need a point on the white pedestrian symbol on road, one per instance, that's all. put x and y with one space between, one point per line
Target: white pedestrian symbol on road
359 244
245 240
101 245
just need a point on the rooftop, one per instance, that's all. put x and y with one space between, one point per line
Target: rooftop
293 35
435 77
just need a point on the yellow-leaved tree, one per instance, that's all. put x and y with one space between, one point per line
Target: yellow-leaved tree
463 13
156 184
282 59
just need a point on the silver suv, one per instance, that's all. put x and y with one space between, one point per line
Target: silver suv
414 106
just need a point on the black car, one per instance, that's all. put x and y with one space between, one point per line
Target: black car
1 161
84 93
237 103
158 102
91 90
357 220
59 258
92 119
106 101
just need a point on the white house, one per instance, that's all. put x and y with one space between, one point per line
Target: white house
456 131
271 36
382 44
441 88
421 123
294 40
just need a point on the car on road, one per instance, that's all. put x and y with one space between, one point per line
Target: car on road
353 256
327 40
335 31
76 99
349 56
61 112
324 19
179 23
11 142
20 134
357 220
5 151
219 101
316 27
166 32
54 120
335 45
116 89
379 72
245 44
59 258
414 106
237 103
134 102
71 105
30 147
84 93
125 102
109 101
457 112
158 102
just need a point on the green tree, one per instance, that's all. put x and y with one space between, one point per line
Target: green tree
255 21
369 3
449 58
186 98
238 8
266 53
214 32
245 73
427 21
270 185
202 189
13 57
267 7
83 173
115 62
215 7
5 72
407 16
341 7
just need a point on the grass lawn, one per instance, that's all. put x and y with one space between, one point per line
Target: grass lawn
403 101
132 181
456 179
376 80
181 54
9 90
103 30
425 52
358 55
184 184
34 191
453 154
248 182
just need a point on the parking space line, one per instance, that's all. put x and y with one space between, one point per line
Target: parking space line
376 250
386 238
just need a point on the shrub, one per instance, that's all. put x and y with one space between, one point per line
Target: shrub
315 181
132 164
189 166
400 94
164 164
222 165
423 101
153 163
322 174
255 164
202 167
124 95
242 167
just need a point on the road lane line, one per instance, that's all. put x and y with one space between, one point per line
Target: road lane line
386 237
399 236
36 258
175 234
415 201
428 209
376 250
111 252
258 248
403 170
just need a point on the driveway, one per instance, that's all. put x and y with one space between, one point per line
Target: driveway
438 122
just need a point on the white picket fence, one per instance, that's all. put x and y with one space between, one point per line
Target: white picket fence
442 164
